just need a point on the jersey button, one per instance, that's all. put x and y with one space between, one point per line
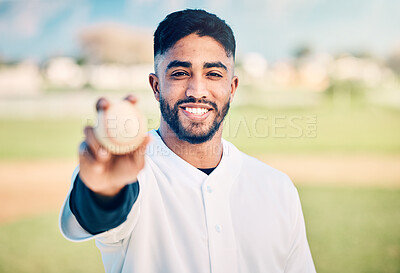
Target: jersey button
209 189
218 228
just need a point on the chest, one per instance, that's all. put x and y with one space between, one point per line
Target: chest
208 225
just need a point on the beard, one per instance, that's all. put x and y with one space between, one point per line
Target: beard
194 133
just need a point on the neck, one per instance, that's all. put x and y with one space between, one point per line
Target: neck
203 155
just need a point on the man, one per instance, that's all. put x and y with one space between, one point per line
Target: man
189 201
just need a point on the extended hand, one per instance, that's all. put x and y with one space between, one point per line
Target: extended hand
103 172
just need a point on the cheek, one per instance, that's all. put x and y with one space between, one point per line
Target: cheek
174 88
221 89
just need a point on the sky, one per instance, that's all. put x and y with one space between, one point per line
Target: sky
38 29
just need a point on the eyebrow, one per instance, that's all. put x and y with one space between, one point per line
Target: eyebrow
177 63
215 64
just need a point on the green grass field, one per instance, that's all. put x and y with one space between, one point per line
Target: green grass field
363 130
255 130
349 230
353 230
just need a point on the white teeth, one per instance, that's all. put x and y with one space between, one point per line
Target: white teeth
196 111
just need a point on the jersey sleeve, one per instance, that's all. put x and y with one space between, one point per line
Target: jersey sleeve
73 230
96 213
299 259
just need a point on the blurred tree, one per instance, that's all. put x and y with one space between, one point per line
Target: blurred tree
362 54
114 43
346 93
302 51
393 61
81 60
301 54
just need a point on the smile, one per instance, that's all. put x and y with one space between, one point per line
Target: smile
196 111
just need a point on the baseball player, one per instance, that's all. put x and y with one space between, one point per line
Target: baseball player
187 200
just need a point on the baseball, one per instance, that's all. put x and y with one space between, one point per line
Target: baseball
121 128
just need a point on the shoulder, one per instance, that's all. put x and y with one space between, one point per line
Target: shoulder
263 184
257 174
255 167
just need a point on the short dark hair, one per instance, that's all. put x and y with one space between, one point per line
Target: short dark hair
180 24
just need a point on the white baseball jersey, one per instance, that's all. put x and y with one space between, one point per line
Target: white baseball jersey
243 217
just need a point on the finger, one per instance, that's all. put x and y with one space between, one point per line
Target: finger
141 148
87 161
138 155
102 104
85 155
98 151
131 98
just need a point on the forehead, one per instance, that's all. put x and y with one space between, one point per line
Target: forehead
196 50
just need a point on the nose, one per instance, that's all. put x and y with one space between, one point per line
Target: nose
197 88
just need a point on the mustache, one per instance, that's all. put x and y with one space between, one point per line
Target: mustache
194 100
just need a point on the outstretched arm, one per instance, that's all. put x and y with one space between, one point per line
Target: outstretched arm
97 213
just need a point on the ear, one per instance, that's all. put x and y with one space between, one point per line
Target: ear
155 85
234 86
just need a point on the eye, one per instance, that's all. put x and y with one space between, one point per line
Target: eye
214 74
179 74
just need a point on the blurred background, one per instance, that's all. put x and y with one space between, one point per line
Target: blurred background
319 98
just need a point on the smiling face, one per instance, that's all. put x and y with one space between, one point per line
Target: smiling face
194 84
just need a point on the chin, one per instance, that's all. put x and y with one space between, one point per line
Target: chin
196 135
